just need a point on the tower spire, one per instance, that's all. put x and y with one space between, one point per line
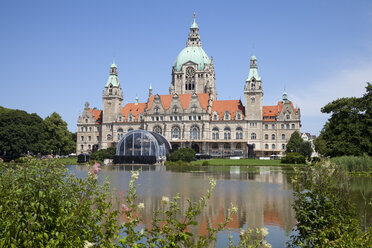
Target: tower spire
194 37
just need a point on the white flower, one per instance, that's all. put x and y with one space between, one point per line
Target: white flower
141 205
265 244
242 232
135 175
88 244
264 231
142 231
164 200
234 209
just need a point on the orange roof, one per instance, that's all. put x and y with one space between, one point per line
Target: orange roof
132 108
97 114
184 99
270 110
227 105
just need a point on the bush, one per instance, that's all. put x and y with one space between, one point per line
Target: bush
293 158
103 154
183 154
353 163
205 163
41 205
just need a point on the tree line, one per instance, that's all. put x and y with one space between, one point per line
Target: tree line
22 133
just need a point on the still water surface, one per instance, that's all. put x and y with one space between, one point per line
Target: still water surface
263 195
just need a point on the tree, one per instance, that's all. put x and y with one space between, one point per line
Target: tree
349 129
294 143
183 154
20 133
58 138
305 149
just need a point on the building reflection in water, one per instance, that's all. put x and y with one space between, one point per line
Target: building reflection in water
263 196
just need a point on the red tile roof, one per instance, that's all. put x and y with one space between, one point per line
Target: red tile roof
273 111
134 109
97 114
227 105
184 99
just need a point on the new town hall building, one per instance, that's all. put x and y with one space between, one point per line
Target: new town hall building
192 115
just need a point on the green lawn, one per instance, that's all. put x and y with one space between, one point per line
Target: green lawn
225 161
68 161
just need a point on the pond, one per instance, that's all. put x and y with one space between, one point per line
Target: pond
262 194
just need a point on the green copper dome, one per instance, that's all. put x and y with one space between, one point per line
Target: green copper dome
194 54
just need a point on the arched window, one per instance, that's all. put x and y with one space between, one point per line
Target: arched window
283 136
176 132
253 85
82 147
157 129
194 132
273 146
282 126
239 133
82 138
227 133
226 116
266 126
86 120
89 147
283 146
238 116
130 117
273 136
120 118
287 126
89 138
266 136
253 136
130 129
120 133
293 126
288 117
109 137
273 126
266 146
215 133
215 116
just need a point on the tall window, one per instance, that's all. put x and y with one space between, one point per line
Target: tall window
266 126
89 138
266 146
283 136
282 126
157 129
293 126
283 146
239 133
273 126
215 133
176 132
82 138
287 126
273 136
266 136
253 136
273 146
227 115
194 132
288 117
215 116
227 133
120 133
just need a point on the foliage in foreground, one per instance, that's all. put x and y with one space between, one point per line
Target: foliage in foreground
41 205
324 212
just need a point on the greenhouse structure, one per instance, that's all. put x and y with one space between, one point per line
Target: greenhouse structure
142 147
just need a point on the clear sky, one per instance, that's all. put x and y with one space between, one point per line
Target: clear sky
55 55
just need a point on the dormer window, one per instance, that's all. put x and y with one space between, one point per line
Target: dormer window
227 115
156 110
130 117
238 116
288 117
193 109
215 116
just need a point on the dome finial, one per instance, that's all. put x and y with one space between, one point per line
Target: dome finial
113 62
194 24
194 15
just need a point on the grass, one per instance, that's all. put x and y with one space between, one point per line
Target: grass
240 162
68 161
354 164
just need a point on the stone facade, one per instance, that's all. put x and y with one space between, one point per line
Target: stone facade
191 115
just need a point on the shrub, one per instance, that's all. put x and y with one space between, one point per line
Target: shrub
293 158
183 154
324 211
41 205
205 163
103 154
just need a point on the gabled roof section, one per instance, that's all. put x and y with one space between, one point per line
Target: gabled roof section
228 105
273 111
134 109
166 100
97 114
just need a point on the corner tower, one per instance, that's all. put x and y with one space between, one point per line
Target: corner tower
112 96
253 93
193 71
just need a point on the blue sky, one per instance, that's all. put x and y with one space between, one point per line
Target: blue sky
55 55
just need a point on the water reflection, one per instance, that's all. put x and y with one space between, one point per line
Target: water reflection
263 195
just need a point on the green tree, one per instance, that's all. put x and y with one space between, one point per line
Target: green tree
183 154
294 143
20 133
349 129
305 149
58 139
104 153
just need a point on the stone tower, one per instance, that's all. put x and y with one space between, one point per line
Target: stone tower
193 71
112 96
253 93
